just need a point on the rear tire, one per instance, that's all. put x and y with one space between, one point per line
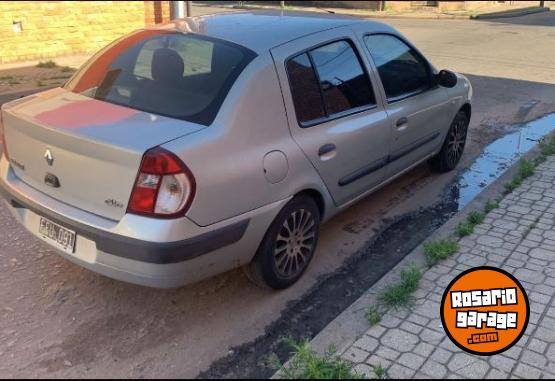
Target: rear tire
453 146
288 246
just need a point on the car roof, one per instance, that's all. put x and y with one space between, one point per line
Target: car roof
263 30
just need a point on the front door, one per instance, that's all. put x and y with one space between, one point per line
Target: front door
418 110
334 114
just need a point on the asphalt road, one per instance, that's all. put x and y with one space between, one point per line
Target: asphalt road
58 320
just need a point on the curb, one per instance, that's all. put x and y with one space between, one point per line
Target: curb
513 13
346 328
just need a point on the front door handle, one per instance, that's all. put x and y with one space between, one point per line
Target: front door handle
326 148
327 151
401 122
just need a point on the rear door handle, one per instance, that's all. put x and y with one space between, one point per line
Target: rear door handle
401 122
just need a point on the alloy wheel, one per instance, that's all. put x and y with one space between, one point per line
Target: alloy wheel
295 243
456 142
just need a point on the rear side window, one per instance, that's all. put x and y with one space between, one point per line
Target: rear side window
327 81
304 87
403 71
183 76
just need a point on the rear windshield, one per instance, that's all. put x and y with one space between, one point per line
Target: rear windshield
183 76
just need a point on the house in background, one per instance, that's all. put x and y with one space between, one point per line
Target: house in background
33 30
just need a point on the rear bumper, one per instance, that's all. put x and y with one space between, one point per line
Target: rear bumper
132 248
159 261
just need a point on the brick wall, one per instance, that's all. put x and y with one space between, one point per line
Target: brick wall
58 28
157 12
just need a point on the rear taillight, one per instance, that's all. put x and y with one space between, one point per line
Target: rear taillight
164 187
2 137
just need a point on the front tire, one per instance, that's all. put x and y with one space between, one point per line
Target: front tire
453 146
288 246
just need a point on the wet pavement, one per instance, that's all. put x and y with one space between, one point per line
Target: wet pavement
59 320
500 155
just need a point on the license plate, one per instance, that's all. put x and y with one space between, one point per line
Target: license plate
57 235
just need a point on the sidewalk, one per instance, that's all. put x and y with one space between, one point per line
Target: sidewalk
519 237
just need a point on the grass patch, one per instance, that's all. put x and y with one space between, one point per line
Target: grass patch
547 147
510 186
464 229
67 69
307 364
39 83
6 78
526 169
373 315
491 205
47 64
379 371
399 294
538 160
475 217
438 250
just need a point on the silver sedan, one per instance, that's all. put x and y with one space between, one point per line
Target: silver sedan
187 150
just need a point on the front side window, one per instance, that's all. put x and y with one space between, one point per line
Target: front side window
179 75
403 71
328 80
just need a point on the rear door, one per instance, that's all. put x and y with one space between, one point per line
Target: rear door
334 114
419 111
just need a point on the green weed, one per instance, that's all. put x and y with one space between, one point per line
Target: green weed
436 251
399 294
47 64
464 229
307 364
373 315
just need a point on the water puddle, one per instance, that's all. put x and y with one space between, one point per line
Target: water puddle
500 155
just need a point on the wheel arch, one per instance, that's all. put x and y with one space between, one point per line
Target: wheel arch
467 109
317 197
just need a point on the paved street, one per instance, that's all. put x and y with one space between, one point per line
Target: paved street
512 48
412 343
59 320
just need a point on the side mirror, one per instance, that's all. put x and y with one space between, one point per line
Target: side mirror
446 78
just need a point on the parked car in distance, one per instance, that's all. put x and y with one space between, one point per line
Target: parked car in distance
214 142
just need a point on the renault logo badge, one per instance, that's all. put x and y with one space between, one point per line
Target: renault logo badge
48 157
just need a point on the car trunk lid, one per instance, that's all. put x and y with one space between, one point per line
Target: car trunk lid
93 148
